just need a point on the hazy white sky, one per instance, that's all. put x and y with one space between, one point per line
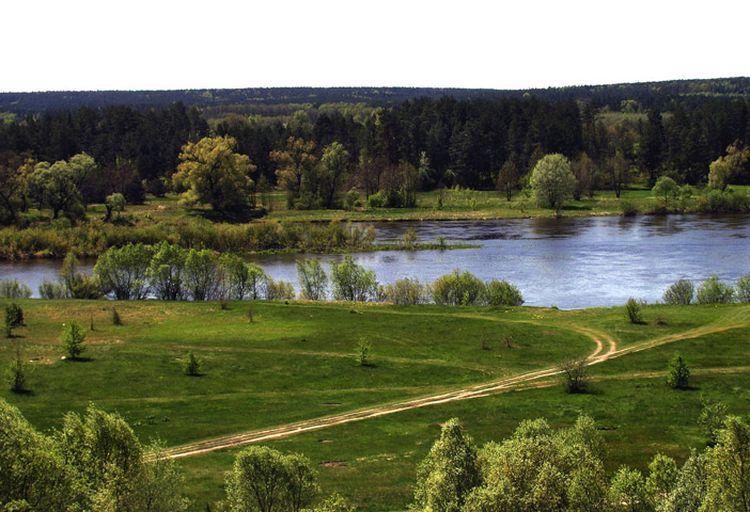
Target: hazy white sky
157 44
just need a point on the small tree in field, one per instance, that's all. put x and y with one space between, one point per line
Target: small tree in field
364 351
575 375
16 373
72 339
633 310
13 318
678 373
192 366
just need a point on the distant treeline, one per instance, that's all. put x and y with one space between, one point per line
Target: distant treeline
649 94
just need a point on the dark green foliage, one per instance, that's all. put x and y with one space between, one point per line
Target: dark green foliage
678 373
13 318
72 339
192 366
116 320
680 293
503 293
575 375
633 311
458 289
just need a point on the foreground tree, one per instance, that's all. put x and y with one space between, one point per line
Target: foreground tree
449 472
552 182
211 172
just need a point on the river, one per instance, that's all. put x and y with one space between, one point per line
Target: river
568 262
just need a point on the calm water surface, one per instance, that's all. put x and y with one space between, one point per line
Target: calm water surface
570 263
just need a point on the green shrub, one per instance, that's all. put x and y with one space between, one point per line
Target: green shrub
713 291
192 366
352 282
458 289
404 292
202 276
575 375
410 238
13 318
363 353
12 289
502 293
628 208
52 290
279 290
743 289
116 320
72 339
313 280
680 293
678 373
123 271
16 376
633 310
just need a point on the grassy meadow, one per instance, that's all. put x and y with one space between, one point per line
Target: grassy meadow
297 361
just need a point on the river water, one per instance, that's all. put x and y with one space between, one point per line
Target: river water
568 262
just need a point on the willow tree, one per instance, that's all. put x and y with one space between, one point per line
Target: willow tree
211 172
552 181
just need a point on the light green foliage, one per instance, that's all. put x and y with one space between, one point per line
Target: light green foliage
279 290
211 172
364 353
123 271
334 503
191 366
405 292
713 291
77 285
165 271
661 479
627 492
689 491
12 289
241 279
552 181
633 311
114 203
665 188
680 293
728 468
678 373
538 468
201 275
449 472
52 290
458 289
742 289
56 186
352 282
722 170
503 293
266 480
712 417
313 280
72 339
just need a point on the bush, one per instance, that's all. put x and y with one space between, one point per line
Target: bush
633 310
410 238
352 282
678 373
78 285
279 290
405 292
52 290
116 320
166 271
743 289
458 289
680 293
191 366
72 339
313 280
713 291
13 318
16 376
123 271
628 208
364 349
241 280
202 275
12 289
575 375
502 293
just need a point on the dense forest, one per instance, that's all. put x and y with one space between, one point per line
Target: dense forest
420 143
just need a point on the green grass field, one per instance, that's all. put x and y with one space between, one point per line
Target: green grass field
296 361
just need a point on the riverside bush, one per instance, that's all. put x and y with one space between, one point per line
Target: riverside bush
458 289
12 289
713 291
680 293
502 293
405 292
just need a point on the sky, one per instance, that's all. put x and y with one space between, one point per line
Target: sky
158 44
